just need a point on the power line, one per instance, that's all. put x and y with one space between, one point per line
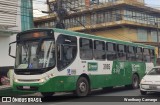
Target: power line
120 36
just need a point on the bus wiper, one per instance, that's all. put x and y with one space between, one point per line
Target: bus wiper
49 50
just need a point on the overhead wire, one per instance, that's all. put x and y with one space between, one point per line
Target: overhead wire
96 29
136 17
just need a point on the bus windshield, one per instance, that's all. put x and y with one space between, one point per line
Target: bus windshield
35 54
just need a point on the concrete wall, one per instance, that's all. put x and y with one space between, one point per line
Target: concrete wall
6 60
124 33
127 34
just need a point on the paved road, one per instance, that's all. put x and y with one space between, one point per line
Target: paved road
114 93
118 91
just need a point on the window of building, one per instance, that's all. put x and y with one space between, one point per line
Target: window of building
52 24
113 15
76 24
118 15
121 49
93 18
131 56
86 49
99 50
140 17
158 21
143 18
67 23
106 19
139 54
46 24
142 35
128 15
71 22
152 20
83 20
110 16
111 53
66 50
100 17
154 35
134 17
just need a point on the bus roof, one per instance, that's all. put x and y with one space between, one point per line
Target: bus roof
84 35
100 38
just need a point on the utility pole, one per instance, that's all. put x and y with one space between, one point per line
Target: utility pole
158 39
60 11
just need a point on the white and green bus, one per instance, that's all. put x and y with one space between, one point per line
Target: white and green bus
57 60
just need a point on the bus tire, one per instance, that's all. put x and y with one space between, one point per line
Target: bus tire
47 94
135 82
82 87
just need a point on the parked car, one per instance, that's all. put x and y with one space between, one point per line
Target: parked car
151 81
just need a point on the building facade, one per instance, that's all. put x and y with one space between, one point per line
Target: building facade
15 16
129 20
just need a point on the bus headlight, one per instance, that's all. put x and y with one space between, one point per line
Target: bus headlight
42 80
15 80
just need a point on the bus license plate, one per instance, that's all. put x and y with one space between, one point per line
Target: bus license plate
152 87
26 87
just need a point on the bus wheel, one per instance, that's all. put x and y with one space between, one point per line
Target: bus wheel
135 81
82 87
47 94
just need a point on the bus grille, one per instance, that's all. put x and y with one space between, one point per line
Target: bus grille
32 88
28 80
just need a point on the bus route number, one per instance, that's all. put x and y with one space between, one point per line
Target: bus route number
106 66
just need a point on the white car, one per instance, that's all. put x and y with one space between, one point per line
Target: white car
151 81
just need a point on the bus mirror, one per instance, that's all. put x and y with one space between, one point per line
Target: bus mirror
10 52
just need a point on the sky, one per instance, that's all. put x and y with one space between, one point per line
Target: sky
40 5
153 3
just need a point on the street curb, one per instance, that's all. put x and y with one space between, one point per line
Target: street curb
5 87
8 91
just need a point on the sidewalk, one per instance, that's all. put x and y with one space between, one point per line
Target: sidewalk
5 90
4 87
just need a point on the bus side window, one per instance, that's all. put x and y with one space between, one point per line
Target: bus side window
139 54
99 50
111 53
146 55
66 50
152 53
131 53
121 52
86 49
